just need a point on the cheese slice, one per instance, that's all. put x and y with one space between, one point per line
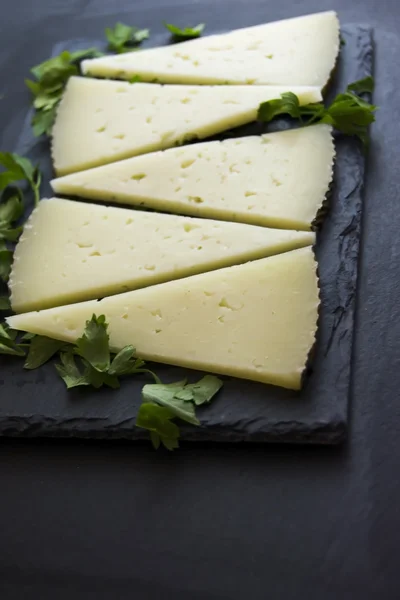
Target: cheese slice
276 180
99 122
71 251
299 51
256 321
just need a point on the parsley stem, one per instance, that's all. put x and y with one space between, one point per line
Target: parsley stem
36 195
156 379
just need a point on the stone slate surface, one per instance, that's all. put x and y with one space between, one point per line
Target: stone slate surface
35 403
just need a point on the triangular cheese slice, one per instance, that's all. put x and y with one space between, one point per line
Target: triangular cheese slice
256 321
99 122
73 251
277 180
299 51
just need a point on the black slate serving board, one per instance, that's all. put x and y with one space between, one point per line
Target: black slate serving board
35 403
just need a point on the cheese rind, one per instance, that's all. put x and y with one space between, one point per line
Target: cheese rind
255 321
99 122
298 51
276 180
72 251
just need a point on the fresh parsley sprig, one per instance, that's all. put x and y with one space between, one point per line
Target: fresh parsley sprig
8 342
5 303
124 38
90 362
348 113
162 403
16 169
185 33
48 85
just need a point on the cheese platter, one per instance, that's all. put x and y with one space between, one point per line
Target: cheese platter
184 279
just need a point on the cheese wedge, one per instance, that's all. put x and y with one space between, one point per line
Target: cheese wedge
256 321
299 51
276 180
72 251
99 122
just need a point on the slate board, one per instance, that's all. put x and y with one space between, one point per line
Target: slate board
35 403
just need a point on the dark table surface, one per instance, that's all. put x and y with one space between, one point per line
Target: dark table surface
119 521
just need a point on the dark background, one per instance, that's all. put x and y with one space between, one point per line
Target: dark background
119 521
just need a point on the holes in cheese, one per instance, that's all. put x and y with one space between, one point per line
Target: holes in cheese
256 321
298 51
276 180
95 125
71 251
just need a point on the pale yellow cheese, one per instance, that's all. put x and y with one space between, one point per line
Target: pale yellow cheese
256 321
72 251
277 180
298 51
99 122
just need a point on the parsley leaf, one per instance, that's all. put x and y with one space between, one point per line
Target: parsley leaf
201 392
8 343
18 168
348 113
5 303
93 345
70 373
10 210
166 394
186 32
362 86
158 420
41 349
122 37
94 365
287 104
6 257
180 400
48 85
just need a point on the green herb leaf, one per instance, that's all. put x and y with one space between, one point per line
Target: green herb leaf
41 349
19 168
166 395
5 303
122 37
158 420
70 373
288 104
51 77
362 86
6 257
93 345
186 32
11 210
201 392
125 362
99 378
347 113
43 121
97 369
8 344
164 402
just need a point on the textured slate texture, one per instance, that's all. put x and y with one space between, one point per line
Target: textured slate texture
36 404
